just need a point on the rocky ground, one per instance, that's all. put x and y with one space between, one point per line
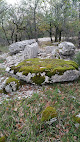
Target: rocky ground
26 90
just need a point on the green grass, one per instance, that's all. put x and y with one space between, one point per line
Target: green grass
4 49
20 120
2 60
43 44
2 72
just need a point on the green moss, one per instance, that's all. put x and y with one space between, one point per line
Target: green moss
1 91
50 66
2 139
48 113
59 70
16 69
10 79
2 60
38 79
77 118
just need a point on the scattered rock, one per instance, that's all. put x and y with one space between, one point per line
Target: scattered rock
10 84
51 121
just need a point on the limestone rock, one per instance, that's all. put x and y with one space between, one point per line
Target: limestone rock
17 58
49 49
19 46
66 48
42 71
10 84
30 51
69 75
8 89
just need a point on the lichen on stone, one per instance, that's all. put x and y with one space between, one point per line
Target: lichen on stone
48 113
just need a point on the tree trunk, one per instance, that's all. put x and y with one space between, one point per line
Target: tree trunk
5 33
12 34
56 34
35 28
59 36
16 39
51 32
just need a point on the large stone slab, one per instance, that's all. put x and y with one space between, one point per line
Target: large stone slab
42 71
30 51
20 46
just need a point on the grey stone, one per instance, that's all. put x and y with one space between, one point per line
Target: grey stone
4 82
8 89
69 75
19 46
66 48
13 85
49 49
7 69
30 51
51 121
15 59
25 78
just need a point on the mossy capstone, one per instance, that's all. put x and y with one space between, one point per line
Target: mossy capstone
38 69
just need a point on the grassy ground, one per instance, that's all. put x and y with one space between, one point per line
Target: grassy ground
3 72
4 49
20 120
45 43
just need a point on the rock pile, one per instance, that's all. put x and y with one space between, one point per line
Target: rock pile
64 50
35 72
22 50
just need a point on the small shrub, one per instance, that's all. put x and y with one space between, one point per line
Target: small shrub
77 58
